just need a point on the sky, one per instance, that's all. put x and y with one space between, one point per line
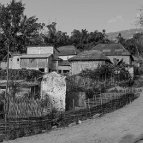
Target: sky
111 15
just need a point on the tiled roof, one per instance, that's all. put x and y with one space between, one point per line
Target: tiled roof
112 49
67 50
91 55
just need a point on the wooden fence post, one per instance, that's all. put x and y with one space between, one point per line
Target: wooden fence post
89 106
101 101
73 105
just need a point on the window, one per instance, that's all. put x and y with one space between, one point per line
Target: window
42 69
59 71
17 59
65 71
50 70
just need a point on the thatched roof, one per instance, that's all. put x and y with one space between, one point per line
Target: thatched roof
113 49
67 50
92 55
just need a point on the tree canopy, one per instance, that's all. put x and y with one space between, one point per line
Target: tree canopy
17 29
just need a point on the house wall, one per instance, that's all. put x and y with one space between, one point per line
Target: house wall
78 66
64 70
15 62
33 63
40 50
66 57
3 65
126 59
50 63
54 65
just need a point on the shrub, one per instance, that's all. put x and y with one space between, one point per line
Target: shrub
101 73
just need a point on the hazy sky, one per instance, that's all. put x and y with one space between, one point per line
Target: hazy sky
112 15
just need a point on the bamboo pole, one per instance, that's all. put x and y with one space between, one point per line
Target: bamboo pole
101 99
6 92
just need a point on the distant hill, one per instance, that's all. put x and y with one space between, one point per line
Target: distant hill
125 33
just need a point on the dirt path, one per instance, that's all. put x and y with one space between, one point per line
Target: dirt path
108 129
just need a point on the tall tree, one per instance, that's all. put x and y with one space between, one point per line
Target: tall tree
80 38
130 45
16 27
54 37
85 40
138 37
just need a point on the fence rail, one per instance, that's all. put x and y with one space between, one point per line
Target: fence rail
106 97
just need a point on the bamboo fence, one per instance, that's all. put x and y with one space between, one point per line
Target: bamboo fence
36 123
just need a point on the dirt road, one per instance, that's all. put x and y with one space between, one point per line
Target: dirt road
108 129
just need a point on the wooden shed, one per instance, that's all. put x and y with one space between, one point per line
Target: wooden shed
87 60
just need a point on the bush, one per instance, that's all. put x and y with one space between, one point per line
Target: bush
106 72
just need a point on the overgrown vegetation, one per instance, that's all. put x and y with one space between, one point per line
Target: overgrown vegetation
94 82
21 74
107 72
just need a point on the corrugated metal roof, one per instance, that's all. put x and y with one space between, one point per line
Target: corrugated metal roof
113 49
91 55
28 56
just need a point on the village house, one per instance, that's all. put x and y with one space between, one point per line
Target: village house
65 53
38 58
115 52
43 58
87 60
